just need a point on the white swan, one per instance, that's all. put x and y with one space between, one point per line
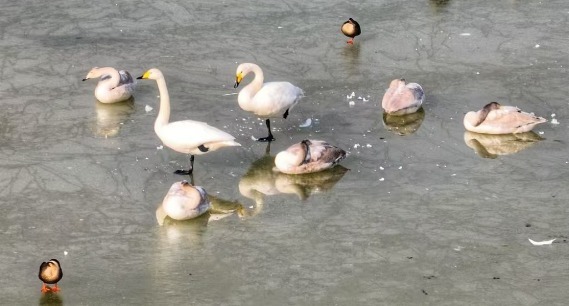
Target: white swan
188 136
266 100
308 156
184 201
402 98
114 86
494 118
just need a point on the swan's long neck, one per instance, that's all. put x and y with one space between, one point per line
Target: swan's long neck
164 112
246 94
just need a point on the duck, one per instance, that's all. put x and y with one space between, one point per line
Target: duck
402 98
187 136
185 201
266 100
114 86
308 156
50 273
494 118
351 28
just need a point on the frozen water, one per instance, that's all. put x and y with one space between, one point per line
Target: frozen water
68 192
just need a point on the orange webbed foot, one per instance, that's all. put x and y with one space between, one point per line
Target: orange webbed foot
45 288
55 289
351 41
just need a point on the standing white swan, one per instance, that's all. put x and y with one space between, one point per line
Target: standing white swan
114 86
266 100
188 136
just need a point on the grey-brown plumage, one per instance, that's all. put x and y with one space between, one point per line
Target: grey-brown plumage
308 156
494 118
50 273
351 28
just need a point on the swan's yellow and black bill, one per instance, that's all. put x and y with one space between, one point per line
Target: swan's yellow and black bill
144 76
238 79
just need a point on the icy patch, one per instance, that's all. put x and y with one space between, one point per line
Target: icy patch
465 34
148 108
351 103
554 121
159 147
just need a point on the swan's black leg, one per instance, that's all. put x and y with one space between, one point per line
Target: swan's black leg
270 137
189 171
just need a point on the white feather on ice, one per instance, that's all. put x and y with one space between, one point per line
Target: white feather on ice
545 242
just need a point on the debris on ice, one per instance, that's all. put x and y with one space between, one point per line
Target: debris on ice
545 242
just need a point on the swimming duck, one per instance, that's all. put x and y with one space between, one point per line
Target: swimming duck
185 201
50 273
351 28
114 86
402 98
188 136
266 100
499 119
308 156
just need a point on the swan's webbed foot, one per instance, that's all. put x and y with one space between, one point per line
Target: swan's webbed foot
266 139
184 172
350 41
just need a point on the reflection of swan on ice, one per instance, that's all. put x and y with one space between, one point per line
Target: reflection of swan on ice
490 146
111 117
261 181
404 124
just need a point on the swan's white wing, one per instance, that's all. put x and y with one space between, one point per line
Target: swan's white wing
275 98
189 134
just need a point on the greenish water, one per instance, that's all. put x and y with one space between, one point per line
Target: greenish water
424 218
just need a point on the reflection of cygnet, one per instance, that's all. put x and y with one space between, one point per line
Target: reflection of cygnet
307 184
405 124
261 180
308 156
114 86
402 98
499 119
490 146
185 201
110 117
